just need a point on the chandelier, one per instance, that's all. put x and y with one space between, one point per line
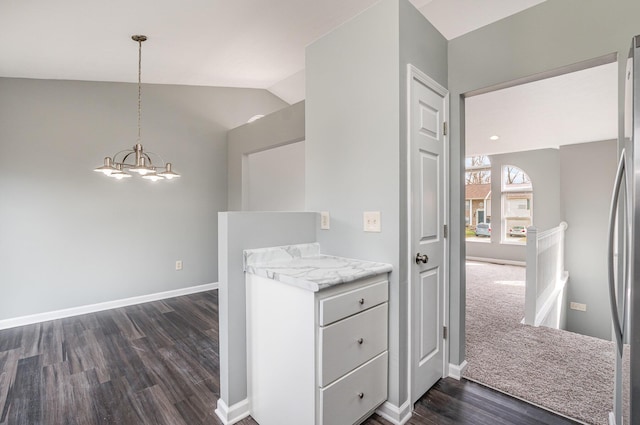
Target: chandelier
127 162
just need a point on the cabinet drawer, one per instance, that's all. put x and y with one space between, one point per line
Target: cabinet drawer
340 402
340 306
347 344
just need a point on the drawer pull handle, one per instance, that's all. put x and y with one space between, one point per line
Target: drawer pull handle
361 301
360 340
361 395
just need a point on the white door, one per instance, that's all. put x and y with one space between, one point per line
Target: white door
427 149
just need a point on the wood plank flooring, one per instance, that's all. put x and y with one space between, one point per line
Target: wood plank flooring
157 363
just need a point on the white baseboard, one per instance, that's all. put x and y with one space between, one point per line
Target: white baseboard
612 418
235 413
498 261
92 308
456 371
394 414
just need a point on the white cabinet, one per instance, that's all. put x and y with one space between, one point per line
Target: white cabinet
316 358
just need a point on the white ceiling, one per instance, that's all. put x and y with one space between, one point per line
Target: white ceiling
232 43
454 18
571 108
261 44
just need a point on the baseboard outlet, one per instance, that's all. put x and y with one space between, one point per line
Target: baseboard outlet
108 305
235 413
498 261
394 414
456 371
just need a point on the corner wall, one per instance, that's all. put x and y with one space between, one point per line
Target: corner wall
356 145
352 154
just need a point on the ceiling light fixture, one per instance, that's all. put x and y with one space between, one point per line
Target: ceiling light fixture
126 162
494 137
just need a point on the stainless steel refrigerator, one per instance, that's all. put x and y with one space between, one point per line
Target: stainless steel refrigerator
624 254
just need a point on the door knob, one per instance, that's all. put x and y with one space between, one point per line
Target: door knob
422 258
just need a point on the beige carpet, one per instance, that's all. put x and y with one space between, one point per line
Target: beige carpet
564 372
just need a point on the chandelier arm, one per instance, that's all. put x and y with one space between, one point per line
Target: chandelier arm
156 154
129 152
146 155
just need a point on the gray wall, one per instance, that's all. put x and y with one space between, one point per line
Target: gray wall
239 231
543 168
276 178
355 144
587 172
71 237
551 35
285 126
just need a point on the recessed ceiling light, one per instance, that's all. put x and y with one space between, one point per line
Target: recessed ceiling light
254 118
494 137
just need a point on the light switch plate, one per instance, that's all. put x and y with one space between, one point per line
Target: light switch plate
325 220
371 221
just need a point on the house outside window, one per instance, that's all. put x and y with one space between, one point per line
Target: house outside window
517 204
477 192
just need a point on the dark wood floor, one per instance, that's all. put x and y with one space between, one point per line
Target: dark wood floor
157 363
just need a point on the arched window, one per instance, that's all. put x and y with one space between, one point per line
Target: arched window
517 204
477 196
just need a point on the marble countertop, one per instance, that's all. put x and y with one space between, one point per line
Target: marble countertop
303 266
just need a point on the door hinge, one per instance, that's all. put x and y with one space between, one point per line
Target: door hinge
446 231
444 128
444 332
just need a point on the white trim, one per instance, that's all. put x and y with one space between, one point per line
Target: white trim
409 250
107 305
612 418
235 413
456 371
394 414
497 261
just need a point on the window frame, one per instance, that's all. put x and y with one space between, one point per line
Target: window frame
525 188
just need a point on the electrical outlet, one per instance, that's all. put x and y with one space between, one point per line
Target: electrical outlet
325 220
371 221
178 264
578 306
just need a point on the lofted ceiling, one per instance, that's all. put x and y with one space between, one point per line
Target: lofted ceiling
230 43
261 44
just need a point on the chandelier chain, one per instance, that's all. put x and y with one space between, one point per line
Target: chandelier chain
139 86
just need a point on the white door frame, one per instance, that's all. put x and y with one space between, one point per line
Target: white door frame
415 73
